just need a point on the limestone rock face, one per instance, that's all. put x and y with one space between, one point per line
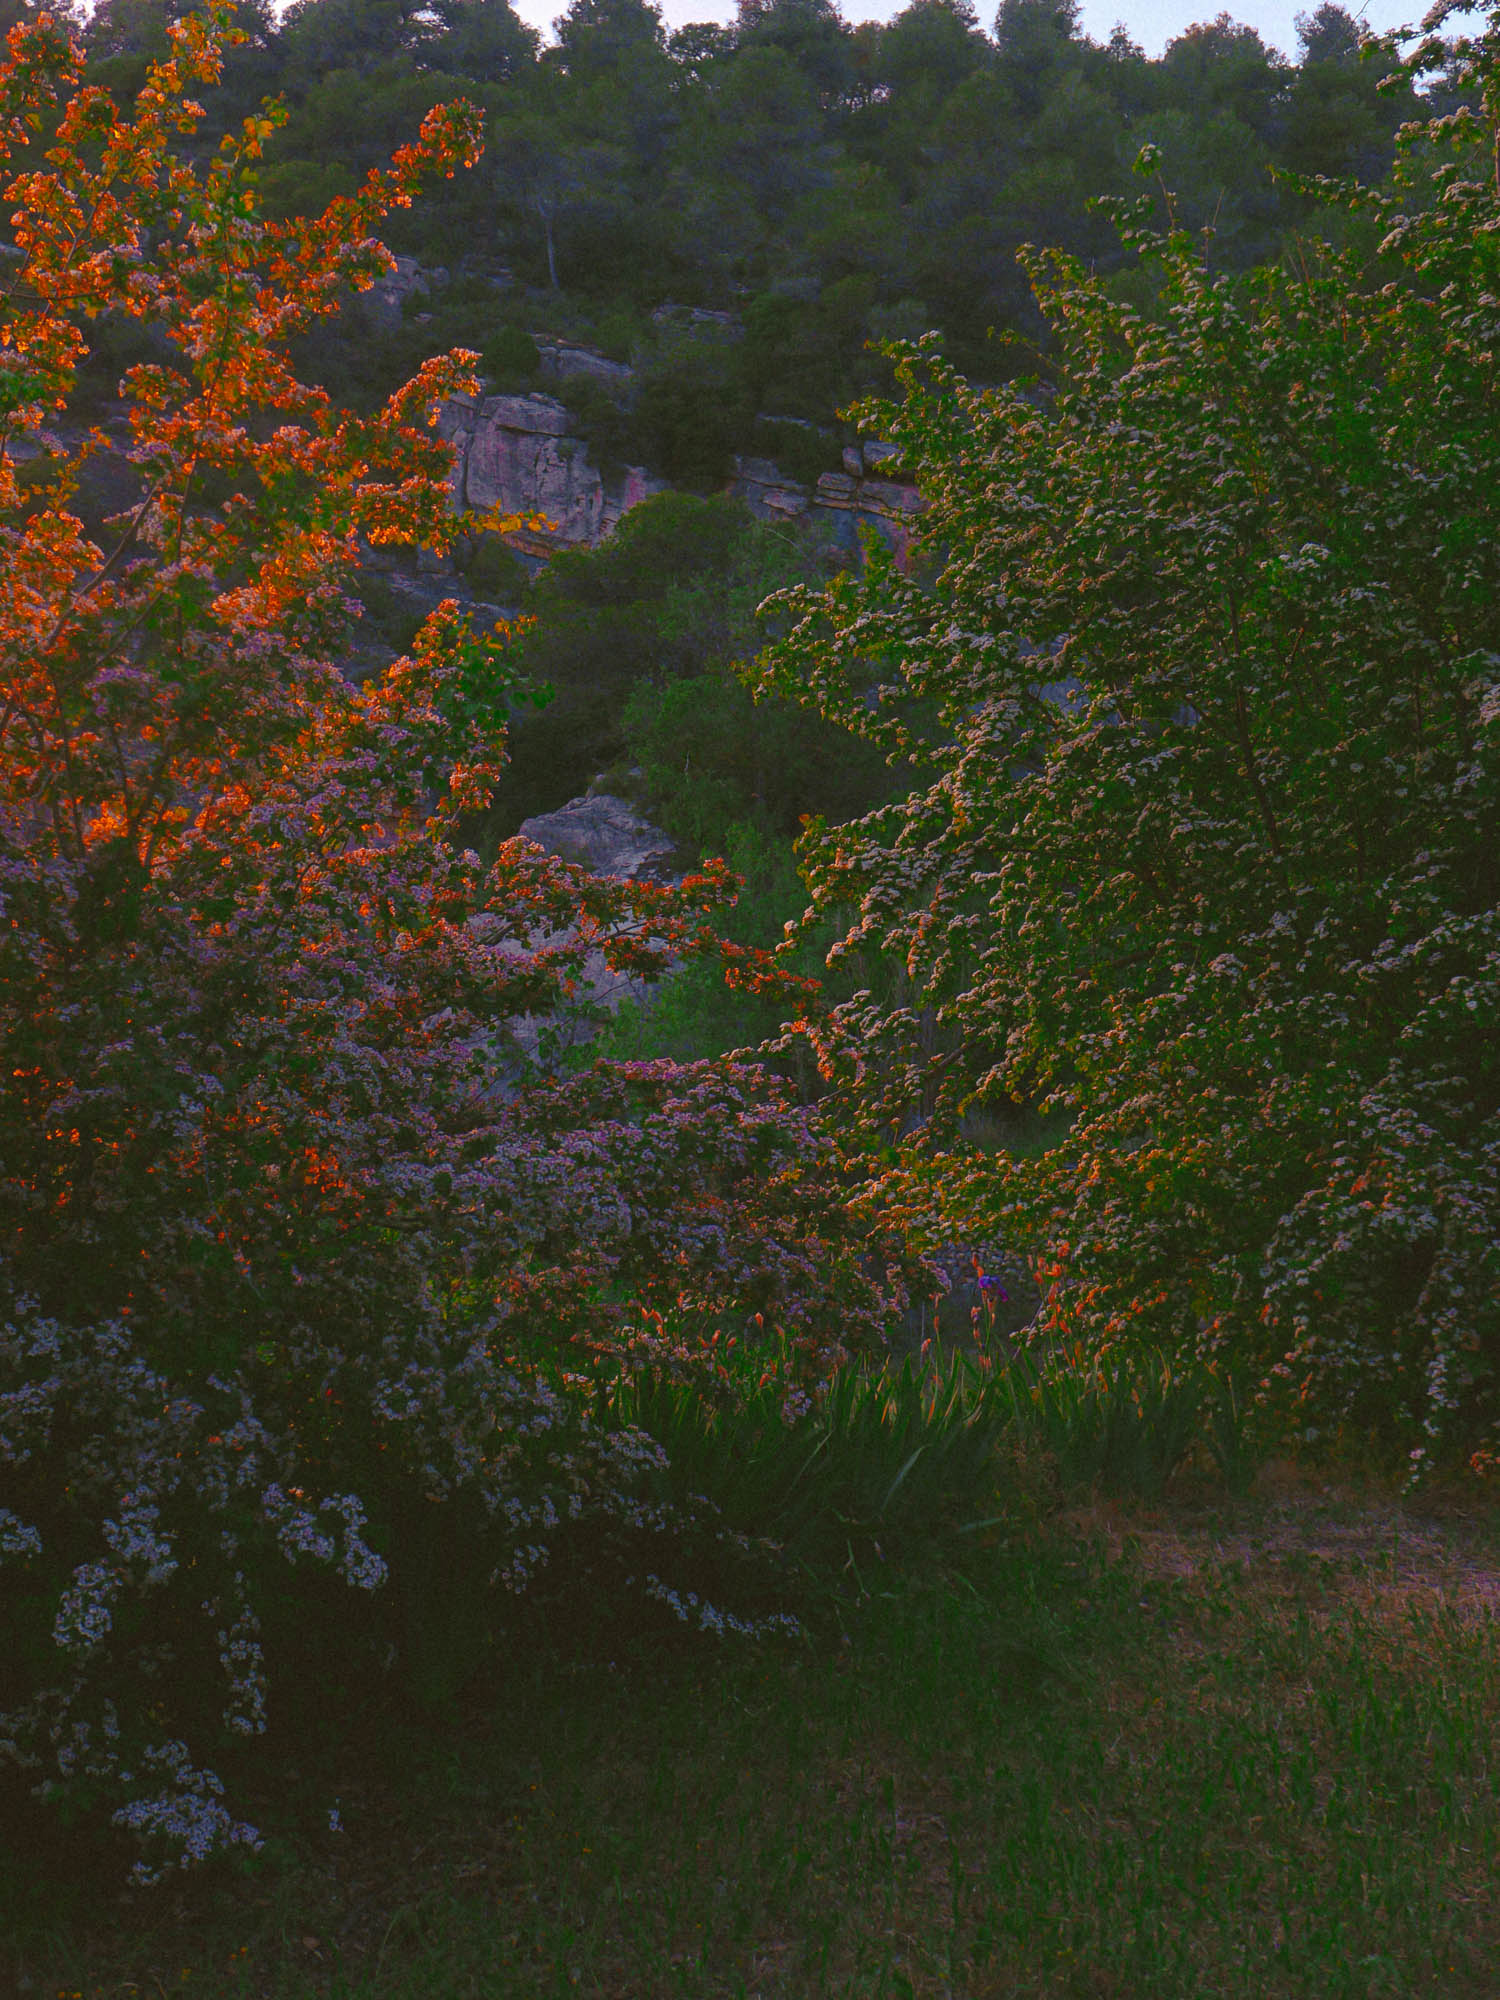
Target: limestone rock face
520 455
841 502
699 320
566 361
606 835
517 454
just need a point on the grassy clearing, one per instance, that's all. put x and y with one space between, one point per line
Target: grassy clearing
1247 1752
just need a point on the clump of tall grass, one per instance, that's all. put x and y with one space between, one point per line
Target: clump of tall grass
1126 1422
897 1456
900 1453
766 1509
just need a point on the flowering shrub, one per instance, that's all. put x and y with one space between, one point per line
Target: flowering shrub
1205 666
290 1213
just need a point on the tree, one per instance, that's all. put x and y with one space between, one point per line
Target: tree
130 28
928 49
16 13
1221 114
1222 66
594 37
916 62
1329 34
757 137
1035 40
699 48
812 32
1026 26
1201 666
362 35
548 173
1339 121
482 40
305 1193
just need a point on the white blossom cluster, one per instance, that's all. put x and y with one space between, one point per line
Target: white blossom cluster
194 1503
691 1609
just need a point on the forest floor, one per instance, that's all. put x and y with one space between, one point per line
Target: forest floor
1201 1749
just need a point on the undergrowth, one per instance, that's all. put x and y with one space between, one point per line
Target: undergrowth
1028 1741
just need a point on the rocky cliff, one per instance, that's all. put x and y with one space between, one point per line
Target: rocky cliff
841 503
518 454
521 455
607 836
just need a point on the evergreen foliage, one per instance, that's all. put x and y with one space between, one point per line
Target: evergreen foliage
809 174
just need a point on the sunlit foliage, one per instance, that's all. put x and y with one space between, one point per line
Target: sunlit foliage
297 1193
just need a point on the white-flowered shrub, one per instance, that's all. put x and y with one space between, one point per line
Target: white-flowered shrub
1201 656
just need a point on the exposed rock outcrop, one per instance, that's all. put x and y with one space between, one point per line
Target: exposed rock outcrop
607 836
518 454
521 455
699 320
840 502
385 301
566 361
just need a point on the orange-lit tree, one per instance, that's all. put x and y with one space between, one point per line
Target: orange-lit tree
290 1216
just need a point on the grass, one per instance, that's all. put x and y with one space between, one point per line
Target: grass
1110 1755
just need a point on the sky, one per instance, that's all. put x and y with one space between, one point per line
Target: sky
1152 23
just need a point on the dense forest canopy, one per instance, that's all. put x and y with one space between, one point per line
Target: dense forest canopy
832 182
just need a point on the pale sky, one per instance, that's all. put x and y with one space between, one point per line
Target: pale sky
1152 23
